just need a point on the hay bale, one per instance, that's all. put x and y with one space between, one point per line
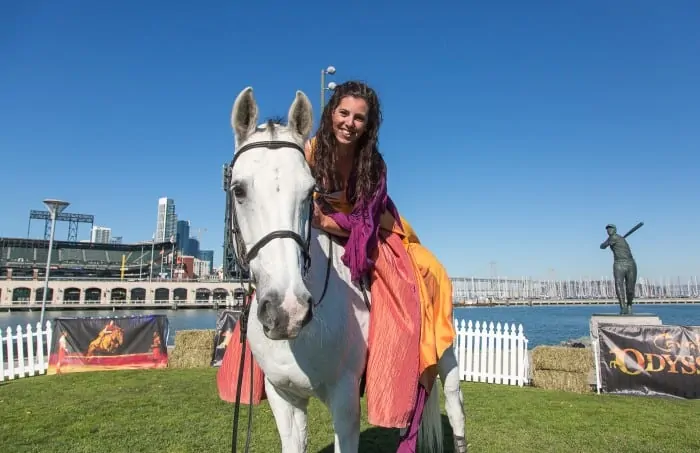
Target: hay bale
195 339
558 358
561 380
194 358
193 349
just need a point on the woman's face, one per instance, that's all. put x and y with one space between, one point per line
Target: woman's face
350 120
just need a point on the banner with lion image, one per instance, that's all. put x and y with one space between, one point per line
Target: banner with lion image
650 360
108 343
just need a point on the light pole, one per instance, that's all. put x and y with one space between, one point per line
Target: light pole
55 207
330 70
172 256
153 248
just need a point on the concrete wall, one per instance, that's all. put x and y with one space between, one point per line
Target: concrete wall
70 292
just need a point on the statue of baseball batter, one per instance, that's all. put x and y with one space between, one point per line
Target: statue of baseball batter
624 266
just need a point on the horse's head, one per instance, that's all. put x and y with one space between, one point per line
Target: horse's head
272 187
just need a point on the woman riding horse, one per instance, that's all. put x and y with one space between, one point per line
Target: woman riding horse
411 310
410 328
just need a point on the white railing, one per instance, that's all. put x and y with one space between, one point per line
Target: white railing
494 354
24 353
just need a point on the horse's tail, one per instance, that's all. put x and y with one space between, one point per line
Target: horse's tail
430 430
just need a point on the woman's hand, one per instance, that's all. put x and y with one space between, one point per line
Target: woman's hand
317 217
323 222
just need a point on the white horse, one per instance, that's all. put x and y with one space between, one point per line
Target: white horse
306 346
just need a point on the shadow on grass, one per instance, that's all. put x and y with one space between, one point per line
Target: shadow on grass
385 440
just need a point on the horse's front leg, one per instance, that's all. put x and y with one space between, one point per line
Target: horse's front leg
290 417
344 405
448 370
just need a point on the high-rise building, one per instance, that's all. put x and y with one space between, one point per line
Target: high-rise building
192 248
183 235
100 234
167 220
208 256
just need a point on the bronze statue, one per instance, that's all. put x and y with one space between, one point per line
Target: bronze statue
624 266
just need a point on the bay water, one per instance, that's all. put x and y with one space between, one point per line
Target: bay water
547 325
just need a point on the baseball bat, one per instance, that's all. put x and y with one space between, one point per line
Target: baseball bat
635 228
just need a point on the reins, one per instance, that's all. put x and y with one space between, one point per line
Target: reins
244 257
243 323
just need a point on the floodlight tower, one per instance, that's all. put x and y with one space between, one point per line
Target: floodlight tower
330 70
55 207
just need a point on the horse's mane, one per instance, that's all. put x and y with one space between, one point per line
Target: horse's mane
275 121
272 124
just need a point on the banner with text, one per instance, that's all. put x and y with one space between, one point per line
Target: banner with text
650 360
224 329
108 343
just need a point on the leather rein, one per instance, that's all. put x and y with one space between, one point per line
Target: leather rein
244 257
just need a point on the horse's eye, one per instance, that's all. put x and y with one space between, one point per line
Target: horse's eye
238 190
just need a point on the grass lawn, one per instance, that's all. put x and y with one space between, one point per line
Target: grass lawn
179 411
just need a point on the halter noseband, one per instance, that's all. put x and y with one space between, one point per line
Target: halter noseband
245 257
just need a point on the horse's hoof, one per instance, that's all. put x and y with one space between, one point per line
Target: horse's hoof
460 444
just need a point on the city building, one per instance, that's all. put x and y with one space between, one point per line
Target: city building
100 235
166 226
182 235
208 256
190 267
201 268
192 247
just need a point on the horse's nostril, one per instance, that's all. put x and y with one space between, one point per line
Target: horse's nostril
309 316
267 314
310 301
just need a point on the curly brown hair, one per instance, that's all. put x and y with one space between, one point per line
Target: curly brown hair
368 163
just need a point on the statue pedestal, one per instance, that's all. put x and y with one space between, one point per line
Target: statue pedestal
641 319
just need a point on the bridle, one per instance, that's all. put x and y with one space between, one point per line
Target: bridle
244 257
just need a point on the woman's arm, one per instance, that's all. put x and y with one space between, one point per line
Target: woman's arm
326 223
319 219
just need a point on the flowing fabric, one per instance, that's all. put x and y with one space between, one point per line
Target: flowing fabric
227 375
409 441
411 316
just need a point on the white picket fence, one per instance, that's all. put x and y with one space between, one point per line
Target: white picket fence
494 354
25 352
485 352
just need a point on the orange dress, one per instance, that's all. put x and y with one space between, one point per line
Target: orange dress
410 321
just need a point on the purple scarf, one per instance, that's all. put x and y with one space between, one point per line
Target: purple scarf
363 225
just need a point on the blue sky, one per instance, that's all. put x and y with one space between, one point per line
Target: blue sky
514 131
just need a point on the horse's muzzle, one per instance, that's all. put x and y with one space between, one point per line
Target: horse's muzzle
277 321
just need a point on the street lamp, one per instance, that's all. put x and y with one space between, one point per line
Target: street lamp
153 248
55 207
330 70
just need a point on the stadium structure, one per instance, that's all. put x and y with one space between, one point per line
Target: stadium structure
21 257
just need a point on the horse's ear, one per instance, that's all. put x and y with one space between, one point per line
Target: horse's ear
300 115
244 116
